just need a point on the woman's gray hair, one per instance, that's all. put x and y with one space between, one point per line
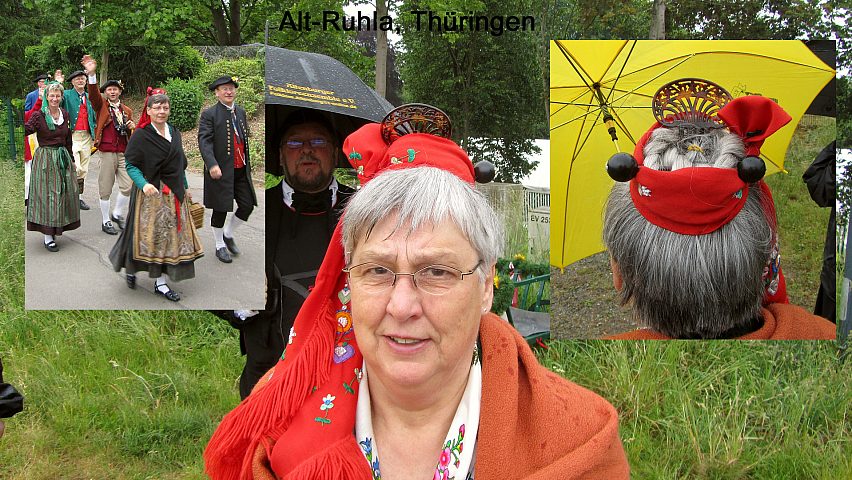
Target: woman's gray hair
156 99
53 86
424 195
690 286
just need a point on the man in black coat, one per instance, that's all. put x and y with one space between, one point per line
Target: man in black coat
301 213
223 142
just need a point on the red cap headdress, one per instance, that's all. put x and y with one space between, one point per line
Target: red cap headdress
322 364
700 200
144 119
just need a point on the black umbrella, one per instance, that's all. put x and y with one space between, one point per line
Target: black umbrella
314 81
825 102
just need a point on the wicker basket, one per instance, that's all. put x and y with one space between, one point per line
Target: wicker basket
196 210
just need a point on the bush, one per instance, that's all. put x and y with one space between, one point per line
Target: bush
249 74
185 99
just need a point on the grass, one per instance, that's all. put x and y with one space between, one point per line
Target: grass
125 395
720 410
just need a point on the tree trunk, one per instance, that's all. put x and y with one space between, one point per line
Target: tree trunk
235 23
220 26
658 21
381 51
104 67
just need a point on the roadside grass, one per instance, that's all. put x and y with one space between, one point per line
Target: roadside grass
722 409
125 394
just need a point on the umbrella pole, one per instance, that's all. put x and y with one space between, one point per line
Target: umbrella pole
607 118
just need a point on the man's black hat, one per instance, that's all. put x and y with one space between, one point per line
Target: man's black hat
75 75
116 83
43 76
225 79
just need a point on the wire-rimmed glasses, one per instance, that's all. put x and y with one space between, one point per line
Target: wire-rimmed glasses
433 279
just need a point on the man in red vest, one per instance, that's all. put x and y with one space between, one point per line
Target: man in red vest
82 122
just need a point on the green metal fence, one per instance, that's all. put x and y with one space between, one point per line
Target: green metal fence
11 131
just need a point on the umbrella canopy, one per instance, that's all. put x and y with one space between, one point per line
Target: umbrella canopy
593 79
297 79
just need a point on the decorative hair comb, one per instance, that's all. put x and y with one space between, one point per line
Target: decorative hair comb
692 103
422 118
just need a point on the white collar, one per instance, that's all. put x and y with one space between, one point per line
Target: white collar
168 134
231 108
453 461
288 192
61 118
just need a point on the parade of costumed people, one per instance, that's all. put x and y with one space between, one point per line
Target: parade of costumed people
398 322
690 225
52 206
160 236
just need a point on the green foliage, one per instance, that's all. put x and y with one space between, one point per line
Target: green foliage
844 112
249 74
738 19
522 266
185 98
339 45
491 86
504 289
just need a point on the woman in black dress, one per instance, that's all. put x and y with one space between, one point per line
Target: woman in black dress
160 237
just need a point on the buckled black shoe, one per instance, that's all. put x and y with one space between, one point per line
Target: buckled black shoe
51 246
83 205
131 281
108 228
232 246
223 255
118 221
169 293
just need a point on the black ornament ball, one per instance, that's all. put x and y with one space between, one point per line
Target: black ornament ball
751 169
622 167
484 171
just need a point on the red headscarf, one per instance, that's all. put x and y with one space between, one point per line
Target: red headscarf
144 119
309 403
700 200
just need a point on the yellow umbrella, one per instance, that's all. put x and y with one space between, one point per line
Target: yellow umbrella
591 80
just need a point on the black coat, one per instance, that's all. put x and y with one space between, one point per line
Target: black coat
216 143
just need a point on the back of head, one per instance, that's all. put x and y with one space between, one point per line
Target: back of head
422 196
690 286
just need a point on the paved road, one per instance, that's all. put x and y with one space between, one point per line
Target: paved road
80 275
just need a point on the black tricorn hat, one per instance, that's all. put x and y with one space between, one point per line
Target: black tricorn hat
222 81
42 76
109 83
75 75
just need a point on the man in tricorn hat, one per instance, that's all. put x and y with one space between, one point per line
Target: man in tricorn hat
223 141
82 123
112 130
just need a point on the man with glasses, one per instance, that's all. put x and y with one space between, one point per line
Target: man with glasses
301 213
223 142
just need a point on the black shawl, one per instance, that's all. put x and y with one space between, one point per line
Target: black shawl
158 159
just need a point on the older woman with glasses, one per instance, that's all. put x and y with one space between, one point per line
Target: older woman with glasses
395 368
159 237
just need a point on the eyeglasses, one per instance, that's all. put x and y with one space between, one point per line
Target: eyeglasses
313 142
434 279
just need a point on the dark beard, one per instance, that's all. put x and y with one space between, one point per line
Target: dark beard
310 184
